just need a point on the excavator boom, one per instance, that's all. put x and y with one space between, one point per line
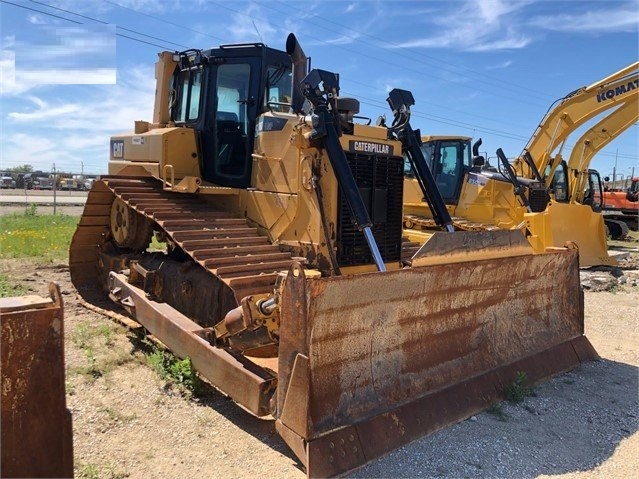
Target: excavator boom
593 141
575 110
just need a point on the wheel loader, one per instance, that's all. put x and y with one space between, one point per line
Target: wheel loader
285 275
534 193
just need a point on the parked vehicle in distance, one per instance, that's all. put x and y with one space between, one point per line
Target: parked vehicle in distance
70 184
7 182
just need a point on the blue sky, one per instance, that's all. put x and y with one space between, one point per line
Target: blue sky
71 74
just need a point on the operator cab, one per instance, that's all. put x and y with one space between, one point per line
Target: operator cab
448 158
220 93
593 196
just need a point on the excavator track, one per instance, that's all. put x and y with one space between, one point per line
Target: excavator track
223 244
410 221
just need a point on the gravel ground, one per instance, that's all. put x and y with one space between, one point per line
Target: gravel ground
129 423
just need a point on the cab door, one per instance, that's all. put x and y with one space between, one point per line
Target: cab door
227 136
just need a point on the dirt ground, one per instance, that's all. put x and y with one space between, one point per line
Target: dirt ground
128 422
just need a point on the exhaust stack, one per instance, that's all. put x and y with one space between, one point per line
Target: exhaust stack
300 67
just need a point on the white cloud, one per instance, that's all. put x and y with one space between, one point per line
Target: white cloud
499 66
71 125
626 19
475 26
35 19
252 25
8 85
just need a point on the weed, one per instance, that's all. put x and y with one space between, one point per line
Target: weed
106 331
93 369
31 210
81 336
9 289
177 372
117 416
69 388
91 471
497 410
88 471
518 389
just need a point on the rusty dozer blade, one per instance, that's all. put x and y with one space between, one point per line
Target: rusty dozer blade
370 362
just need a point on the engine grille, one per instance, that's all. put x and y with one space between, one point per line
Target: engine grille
538 197
380 181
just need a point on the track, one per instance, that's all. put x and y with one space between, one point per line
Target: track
225 245
410 221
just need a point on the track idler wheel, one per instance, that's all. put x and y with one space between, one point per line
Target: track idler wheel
129 228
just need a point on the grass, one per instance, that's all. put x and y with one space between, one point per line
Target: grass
92 471
93 340
41 236
178 373
9 289
497 410
519 389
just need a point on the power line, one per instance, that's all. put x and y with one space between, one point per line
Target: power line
80 23
107 23
159 19
39 11
438 62
402 66
370 102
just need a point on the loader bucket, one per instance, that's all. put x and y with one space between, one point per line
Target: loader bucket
370 362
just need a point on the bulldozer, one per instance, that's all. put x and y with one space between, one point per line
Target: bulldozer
532 193
285 275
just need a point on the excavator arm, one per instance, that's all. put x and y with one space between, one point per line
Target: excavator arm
572 112
593 140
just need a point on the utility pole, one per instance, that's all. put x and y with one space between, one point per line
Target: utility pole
614 171
55 189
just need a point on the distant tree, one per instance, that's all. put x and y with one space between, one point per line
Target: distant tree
22 169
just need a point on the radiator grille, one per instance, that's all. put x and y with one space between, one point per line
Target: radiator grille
380 181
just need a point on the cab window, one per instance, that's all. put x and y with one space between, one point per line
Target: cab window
187 90
278 88
559 183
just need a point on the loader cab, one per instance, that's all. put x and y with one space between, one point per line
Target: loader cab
220 93
449 158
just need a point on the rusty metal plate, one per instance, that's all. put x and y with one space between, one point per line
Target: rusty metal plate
443 340
36 434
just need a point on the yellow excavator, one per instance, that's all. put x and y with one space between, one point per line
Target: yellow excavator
582 184
285 274
523 195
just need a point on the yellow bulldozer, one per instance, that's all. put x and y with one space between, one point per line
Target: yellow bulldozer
536 193
286 276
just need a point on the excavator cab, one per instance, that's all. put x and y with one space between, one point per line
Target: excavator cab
449 160
220 93
559 185
593 195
